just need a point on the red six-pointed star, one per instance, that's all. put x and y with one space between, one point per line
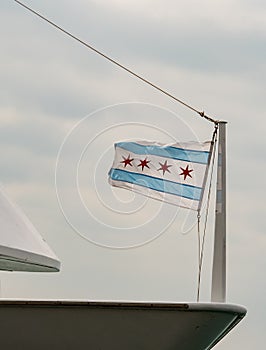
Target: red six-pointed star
144 163
186 172
164 167
127 161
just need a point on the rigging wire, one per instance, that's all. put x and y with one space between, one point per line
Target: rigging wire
202 114
201 246
199 254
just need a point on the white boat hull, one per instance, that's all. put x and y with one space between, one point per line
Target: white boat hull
78 325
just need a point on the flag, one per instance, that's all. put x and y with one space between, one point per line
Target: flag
173 173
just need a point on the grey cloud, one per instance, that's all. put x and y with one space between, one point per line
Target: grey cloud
196 44
48 81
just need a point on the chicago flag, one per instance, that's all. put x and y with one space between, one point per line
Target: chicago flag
174 173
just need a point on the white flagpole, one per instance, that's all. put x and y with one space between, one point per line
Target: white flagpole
218 293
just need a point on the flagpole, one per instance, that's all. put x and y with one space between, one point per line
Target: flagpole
218 293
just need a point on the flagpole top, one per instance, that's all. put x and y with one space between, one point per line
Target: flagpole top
215 121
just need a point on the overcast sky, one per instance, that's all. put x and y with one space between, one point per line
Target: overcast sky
63 105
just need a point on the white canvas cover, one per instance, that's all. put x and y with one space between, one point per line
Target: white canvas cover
21 246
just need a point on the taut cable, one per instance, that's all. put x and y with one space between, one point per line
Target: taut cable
202 114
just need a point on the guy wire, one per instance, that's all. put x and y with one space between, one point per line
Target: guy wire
202 114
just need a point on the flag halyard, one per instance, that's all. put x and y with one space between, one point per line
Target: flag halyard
173 173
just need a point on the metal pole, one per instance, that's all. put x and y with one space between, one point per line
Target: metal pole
218 293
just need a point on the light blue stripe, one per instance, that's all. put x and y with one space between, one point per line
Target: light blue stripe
166 152
157 184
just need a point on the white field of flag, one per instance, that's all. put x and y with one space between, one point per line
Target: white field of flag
173 173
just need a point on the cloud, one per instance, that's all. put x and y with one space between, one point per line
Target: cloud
211 54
